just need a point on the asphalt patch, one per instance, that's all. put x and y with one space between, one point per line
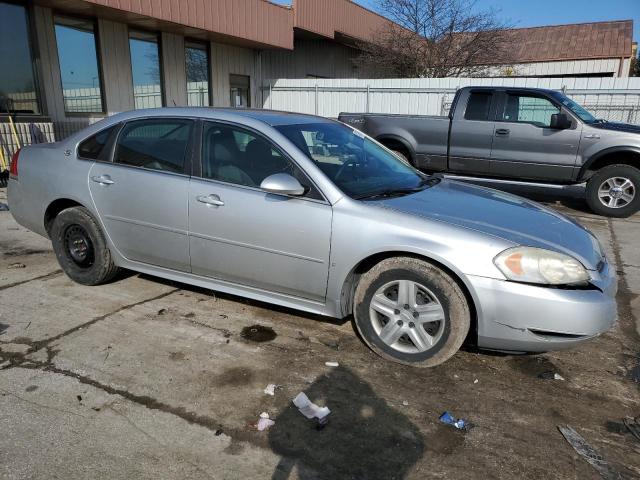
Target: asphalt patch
258 333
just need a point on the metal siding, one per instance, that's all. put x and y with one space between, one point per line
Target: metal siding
51 82
226 60
326 17
227 17
116 66
174 75
310 57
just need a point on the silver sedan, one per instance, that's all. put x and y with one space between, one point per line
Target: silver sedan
311 214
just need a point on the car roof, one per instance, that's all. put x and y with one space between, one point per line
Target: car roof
269 117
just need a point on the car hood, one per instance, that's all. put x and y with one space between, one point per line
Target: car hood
500 214
618 127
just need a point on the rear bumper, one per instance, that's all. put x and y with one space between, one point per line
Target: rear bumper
527 318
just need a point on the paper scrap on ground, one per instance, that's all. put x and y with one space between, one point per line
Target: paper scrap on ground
309 409
265 422
332 364
270 389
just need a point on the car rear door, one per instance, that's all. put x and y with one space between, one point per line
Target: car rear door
142 195
471 132
524 145
241 234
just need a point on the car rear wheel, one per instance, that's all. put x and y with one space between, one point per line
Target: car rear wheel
410 311
613 191
81 248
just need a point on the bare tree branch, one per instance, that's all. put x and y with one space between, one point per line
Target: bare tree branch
436 38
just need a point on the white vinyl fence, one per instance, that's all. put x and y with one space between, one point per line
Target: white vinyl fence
613 99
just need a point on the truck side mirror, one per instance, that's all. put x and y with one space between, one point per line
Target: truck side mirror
560 121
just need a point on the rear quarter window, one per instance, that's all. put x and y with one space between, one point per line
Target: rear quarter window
95 147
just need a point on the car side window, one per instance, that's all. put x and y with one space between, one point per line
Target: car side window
234 155
157 144
529 109
94 147
478 106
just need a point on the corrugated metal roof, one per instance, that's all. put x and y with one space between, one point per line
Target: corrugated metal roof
572 42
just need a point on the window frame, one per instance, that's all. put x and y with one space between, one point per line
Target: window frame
503 102
493 103
36 63
198 157
207 47
108 148
188 154
96 39
158 36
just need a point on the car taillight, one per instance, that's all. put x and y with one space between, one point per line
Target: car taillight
13 168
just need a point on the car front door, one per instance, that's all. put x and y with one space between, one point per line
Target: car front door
524 145
241 234
471 133
142 195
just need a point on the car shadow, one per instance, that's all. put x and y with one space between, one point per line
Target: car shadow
364 438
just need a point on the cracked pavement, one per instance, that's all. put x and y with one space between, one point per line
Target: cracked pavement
144 378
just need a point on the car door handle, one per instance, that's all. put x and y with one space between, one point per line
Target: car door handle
502 131
210 200
104 180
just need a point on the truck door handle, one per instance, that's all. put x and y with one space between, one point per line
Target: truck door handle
104 180
502 131
210 200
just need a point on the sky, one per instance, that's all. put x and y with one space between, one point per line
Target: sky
533 13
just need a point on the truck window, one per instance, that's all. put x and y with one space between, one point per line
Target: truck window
478 106
528 109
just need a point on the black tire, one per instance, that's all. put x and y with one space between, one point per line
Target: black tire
449 295
81 248
610 173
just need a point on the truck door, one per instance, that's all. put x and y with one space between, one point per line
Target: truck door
471 133
523 144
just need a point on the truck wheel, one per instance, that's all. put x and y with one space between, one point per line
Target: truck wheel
81 248
402 155
613 191
410 311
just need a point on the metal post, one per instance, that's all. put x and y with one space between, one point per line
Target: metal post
368 97
316 99
270 97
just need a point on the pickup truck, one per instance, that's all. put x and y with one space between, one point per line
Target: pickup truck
523 134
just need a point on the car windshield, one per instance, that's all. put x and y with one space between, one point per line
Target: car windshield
576 108
358 165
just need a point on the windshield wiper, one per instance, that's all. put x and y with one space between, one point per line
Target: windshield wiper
392 192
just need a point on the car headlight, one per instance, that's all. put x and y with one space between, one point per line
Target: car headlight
536 265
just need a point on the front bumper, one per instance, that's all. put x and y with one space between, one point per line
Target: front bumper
528 318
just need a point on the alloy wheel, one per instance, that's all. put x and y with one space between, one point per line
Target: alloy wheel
407 316
616 192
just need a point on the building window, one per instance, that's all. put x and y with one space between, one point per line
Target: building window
79 71
197 68
17 82
240 90
145 69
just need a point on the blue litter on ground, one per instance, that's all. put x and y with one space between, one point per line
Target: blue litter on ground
459 423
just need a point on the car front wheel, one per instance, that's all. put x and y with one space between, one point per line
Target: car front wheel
81 248
410 311
613 191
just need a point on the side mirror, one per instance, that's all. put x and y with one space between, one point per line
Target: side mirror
282 184
560 121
